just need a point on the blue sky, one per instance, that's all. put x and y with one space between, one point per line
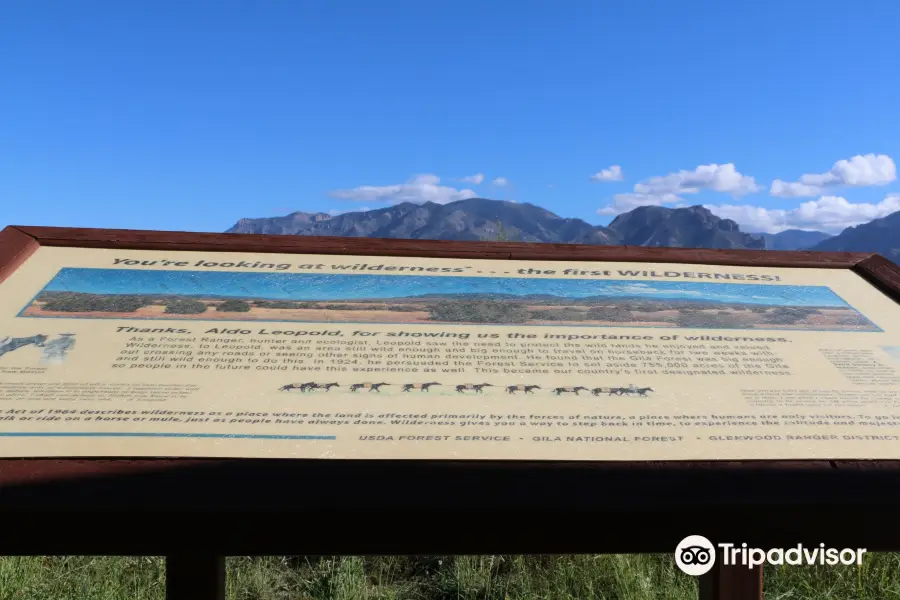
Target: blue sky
191 115
312 286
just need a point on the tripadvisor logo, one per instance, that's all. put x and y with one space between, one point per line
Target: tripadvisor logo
695 555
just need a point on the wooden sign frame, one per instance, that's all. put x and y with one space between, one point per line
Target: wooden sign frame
195 511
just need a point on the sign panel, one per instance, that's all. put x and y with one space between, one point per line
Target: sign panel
147 353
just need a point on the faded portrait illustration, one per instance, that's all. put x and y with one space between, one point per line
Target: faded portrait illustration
55 350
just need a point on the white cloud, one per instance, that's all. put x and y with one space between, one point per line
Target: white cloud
613 173
475 179
861 170
830 214
795 189
717 178
625 202
500 181
419 189
667 189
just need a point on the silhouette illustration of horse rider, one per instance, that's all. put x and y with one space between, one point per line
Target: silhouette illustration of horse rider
56 349
9 344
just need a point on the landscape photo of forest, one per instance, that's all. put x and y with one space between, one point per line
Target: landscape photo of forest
424 299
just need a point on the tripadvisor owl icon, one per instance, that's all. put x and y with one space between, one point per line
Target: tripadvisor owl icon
695 555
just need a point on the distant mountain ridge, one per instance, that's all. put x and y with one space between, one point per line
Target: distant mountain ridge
291 224
793 239
880 235
472 219
478 219
693 227
656 226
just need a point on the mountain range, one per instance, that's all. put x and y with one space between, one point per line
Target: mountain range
880 235
480 219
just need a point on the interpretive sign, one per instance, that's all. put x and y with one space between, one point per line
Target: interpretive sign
109 352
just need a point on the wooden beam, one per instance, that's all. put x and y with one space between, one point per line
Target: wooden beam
195 576
732 582
69 237
15 248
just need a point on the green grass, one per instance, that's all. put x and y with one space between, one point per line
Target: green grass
612 577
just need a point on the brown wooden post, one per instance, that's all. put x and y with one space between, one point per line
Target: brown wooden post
195 576
732 582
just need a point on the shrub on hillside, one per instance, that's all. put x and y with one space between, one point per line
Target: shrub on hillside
92 303
478 311
613 314
284 304
788 315
185 307
717 320
233 306
563 314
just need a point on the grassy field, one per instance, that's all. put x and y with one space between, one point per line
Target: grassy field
614 577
